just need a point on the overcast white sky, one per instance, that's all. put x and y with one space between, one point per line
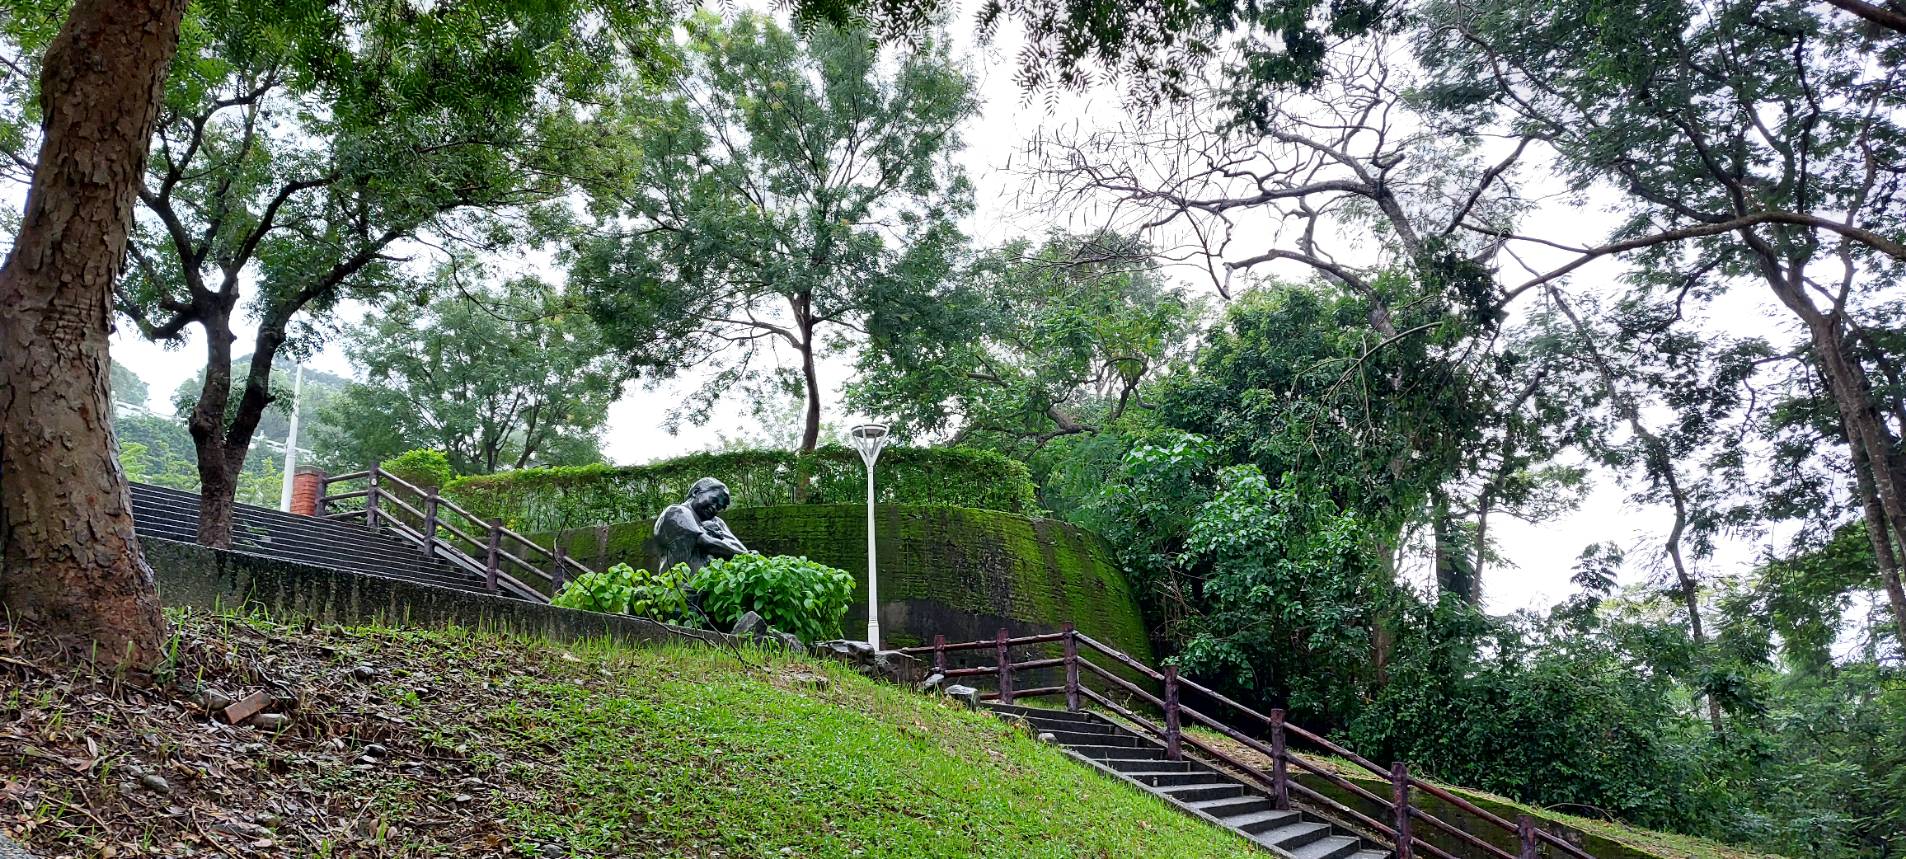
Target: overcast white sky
1540 557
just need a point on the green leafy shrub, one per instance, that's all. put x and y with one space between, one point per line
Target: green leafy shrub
424 469
608 591
549 499
792 594
622 589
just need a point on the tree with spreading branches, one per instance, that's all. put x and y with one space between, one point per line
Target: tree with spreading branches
786 190
305 152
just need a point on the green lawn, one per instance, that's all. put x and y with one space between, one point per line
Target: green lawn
687 752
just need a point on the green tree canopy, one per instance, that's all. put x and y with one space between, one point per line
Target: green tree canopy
1033 342
306 150
786 191
500 377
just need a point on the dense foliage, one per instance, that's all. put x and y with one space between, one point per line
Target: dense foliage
547 499
792 594
496 377
621 589
794 187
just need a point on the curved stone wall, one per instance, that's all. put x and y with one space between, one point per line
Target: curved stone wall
956 571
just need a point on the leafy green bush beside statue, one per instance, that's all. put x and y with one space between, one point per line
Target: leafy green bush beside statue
791 594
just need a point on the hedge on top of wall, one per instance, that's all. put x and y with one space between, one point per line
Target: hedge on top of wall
547 499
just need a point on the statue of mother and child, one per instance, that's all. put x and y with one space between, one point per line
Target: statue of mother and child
692 532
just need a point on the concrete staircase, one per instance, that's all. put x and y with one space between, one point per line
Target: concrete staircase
171 514
1193 786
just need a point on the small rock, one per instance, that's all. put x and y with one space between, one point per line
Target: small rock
376 750
964 694
1047 737
252 749
749 625
932 682
266 819
212 700
155 783
462 798
364 673
789 641
553 850
269 721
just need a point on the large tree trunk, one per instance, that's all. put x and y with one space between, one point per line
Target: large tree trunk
71 558
223 440
811 433
1872 445
1874 460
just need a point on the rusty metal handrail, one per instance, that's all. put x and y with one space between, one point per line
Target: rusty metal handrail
1403 784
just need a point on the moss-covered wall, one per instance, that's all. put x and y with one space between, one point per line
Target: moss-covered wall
955 571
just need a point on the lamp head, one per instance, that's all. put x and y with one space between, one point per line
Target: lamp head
869 439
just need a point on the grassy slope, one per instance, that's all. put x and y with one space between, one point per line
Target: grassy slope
487 747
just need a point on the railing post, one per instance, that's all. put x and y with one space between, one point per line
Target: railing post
1525 832
1072 667
430 522
562 574
1172 727
490 557
939 654
1005 667
1400 801
370 502
1280 767
319 490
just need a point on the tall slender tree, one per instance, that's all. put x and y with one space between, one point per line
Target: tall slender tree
71 559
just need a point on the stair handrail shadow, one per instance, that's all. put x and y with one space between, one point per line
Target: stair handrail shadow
1403 811
431 527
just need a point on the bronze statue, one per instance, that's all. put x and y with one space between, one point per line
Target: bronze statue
692 533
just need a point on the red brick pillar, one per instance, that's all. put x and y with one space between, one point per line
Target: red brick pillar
307 483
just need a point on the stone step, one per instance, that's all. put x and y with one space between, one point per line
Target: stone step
1198 791
1295 835
1329 847
1195 785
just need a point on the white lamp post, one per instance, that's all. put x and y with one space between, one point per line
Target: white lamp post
291 442
869 439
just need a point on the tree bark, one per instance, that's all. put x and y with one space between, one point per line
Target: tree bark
1874 448
811 433
72 560
223 440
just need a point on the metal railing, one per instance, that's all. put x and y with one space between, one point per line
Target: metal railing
1400 808
480 546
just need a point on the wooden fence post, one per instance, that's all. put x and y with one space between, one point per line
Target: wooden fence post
1072 667
370 502
562 574
1525 832
1280 768
430 522
939 654
1005 668
1400 801
490 558
1172 726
